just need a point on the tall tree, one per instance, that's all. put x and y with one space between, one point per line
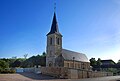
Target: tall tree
25 55
93 62
43 54
99 62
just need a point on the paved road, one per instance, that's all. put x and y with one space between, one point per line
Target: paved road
39 77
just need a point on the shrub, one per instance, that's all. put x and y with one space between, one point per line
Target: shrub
6 71
12 71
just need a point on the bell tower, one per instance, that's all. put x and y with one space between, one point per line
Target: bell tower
54 44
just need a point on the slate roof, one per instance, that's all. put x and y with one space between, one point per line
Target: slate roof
68 55
108 62
54 27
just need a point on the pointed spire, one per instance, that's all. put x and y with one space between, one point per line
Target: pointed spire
54 27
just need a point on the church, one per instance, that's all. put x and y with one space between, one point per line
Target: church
59 57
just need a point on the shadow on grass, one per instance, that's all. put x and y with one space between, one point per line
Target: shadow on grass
36 76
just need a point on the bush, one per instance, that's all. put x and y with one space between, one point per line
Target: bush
6 71
0 70
3 64
12 71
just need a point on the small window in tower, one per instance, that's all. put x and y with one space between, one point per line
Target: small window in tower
50 53
50 41
58 41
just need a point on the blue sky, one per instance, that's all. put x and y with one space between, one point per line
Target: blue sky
88 26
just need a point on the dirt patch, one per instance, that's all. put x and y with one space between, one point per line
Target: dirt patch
24 77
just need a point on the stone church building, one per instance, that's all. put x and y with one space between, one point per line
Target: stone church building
59 57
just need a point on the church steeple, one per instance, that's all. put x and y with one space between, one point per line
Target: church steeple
54 27
54 44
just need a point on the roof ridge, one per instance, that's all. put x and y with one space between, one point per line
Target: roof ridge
73 51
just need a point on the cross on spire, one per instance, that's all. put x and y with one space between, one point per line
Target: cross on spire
54 5
54 26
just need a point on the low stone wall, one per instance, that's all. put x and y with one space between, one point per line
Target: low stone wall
78 74
62 72
59 72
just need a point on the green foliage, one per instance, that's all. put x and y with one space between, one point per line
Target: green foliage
118 62
3 64
43 54
23 62
8 71
11 61
99 62
93 62
35 61
16 62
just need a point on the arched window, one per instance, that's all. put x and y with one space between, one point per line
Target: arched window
50 64
50 41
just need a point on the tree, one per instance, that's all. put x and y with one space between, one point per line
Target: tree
3 64
17 63
99 62
93 62
14 57
43 54
35 61
118 62
25 56
11 61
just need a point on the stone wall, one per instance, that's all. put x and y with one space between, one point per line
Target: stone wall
78 74
59 72
63 72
